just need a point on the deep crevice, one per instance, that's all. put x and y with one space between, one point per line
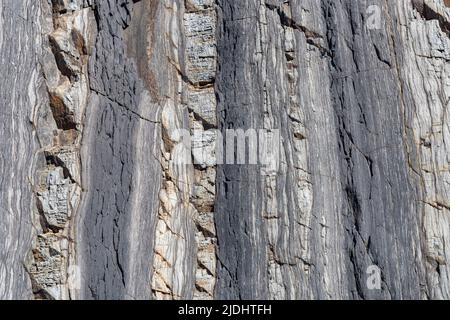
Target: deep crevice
427 13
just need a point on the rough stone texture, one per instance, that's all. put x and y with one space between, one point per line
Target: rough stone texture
200 29
70 33
357 199
21 94
101 199
116 221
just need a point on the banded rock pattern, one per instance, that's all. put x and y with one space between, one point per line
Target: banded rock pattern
100 199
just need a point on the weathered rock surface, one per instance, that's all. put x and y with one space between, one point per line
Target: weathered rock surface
100 198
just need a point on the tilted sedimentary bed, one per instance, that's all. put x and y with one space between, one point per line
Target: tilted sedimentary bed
101 199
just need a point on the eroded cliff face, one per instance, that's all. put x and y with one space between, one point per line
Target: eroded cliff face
101 199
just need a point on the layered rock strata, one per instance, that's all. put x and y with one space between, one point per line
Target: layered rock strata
113 181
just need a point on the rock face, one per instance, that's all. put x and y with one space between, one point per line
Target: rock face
118 181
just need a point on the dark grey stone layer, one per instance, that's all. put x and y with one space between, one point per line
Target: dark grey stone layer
357 136
116 259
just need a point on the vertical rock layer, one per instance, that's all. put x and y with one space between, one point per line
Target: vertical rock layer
101 199
339 92
22 92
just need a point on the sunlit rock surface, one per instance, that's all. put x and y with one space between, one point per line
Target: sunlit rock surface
101 199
